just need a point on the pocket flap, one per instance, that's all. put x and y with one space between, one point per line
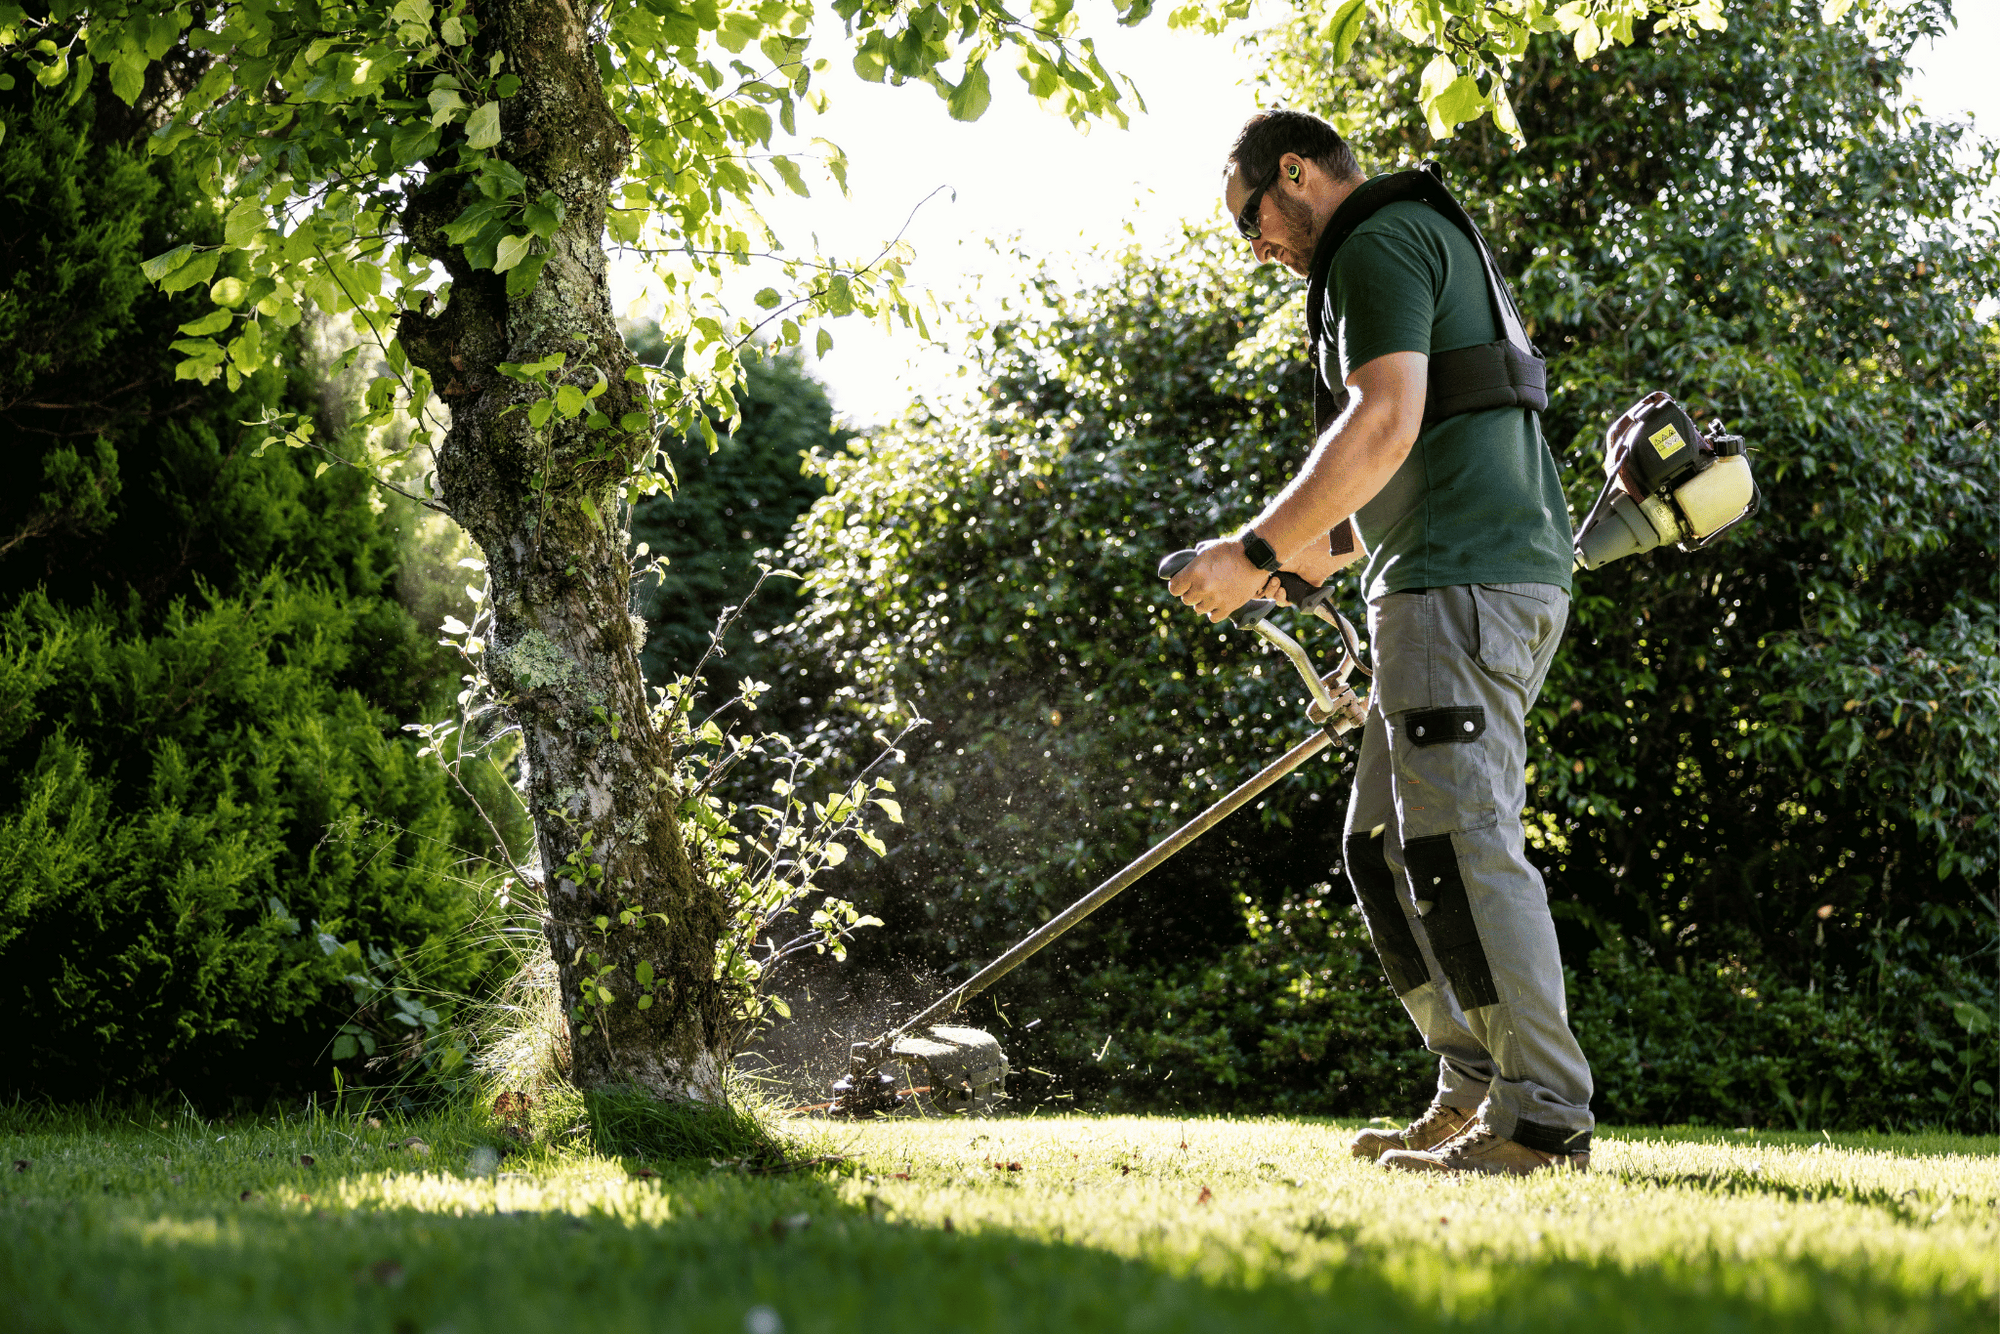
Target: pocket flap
1436 727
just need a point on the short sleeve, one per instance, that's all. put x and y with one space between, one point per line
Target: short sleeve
1384 295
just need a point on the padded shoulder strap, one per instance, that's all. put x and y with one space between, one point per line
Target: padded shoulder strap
1425 185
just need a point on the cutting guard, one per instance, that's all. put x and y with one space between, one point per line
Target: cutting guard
949 1071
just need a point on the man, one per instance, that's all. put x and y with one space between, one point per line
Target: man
1466 576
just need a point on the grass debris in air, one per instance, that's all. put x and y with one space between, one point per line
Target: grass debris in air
1071 1223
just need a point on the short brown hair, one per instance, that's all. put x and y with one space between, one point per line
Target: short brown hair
1269 135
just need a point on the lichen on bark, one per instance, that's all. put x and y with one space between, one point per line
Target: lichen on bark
563 652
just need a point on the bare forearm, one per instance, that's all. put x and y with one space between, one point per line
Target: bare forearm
1350 463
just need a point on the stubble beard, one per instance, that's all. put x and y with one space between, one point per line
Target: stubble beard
1299 221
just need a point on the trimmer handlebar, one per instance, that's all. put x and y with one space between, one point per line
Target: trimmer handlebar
1245 616
1335 706
1301 595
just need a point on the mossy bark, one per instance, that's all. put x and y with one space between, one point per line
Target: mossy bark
564 648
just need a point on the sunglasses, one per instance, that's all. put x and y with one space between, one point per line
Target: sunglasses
1246 220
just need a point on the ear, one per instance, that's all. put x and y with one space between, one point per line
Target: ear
1292 167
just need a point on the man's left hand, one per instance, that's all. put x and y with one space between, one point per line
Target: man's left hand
1219 579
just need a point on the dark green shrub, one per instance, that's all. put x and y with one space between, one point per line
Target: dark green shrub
1909 1040
183 816
729 507
1294 1019
203 672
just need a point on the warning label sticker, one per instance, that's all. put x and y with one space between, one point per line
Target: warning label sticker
1667 441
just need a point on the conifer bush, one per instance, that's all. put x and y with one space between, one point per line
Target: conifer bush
217 848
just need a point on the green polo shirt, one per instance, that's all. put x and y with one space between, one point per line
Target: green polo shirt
1479 500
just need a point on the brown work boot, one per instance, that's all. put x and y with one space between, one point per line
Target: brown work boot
1479 1148
1438 1124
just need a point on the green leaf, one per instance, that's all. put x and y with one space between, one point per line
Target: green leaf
511 251
199 269
569 400
210 323
891 808
543 216
823 343
973 95
1974 1019
453 31
244 224
345 1047
159 266
768 299
523 278
482 129
1345 29
644 972
128 75
835 854
789 170
625 224
538 413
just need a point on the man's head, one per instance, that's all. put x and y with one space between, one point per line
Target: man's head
1286 174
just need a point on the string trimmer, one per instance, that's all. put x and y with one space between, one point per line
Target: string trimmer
964 1067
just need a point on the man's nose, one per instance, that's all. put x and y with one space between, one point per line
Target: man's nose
1262 249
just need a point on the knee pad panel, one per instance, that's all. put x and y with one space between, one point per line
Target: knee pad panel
1388 926
1434 876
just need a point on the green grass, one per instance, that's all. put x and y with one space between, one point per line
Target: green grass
1109 1224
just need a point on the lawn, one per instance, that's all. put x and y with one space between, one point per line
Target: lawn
114 1223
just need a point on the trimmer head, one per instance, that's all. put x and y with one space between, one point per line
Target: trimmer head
951 1070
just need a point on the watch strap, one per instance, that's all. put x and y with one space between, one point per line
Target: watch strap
1259 552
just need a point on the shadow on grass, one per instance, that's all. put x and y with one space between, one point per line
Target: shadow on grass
261 1239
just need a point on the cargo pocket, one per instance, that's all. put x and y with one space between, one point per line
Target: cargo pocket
1512 625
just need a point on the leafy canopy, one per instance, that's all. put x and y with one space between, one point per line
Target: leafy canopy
315 122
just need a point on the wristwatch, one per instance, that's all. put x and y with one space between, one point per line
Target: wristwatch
1259 552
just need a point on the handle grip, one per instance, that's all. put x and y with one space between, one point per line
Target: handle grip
1245 616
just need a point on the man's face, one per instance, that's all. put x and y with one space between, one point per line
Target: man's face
1285 218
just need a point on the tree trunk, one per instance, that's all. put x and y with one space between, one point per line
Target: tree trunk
542 503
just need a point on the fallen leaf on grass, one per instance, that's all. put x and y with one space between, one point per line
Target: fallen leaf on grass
247 1196
306 1160
415 1146
20 1164
1205 1196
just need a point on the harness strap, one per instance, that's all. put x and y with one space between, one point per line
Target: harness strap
1504 374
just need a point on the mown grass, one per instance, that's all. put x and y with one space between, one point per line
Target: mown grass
1073 1223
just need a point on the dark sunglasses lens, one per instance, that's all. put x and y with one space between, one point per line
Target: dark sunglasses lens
1246 221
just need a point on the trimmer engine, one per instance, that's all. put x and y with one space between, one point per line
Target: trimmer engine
1665 481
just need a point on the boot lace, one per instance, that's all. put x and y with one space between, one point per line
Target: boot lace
1435 1116
1469 1140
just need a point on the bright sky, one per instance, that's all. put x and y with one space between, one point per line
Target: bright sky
1021 170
